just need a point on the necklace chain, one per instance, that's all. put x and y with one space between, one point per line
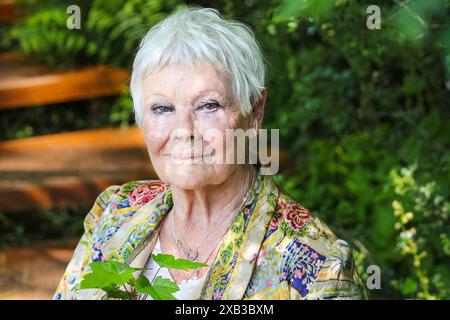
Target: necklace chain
192 253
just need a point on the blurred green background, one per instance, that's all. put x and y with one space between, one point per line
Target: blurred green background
364 113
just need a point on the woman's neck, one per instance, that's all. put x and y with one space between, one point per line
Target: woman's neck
203 206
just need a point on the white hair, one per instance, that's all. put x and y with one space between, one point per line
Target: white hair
192 35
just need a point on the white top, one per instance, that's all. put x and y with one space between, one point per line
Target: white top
189 289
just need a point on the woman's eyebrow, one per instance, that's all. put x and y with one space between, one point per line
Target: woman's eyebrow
207 92
201 94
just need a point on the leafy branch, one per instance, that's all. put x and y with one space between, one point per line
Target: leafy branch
119 282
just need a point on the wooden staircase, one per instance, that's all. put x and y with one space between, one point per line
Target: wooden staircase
73 167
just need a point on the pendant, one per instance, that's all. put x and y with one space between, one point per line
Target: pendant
192 254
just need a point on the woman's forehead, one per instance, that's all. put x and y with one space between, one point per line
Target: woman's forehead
185 73
197 80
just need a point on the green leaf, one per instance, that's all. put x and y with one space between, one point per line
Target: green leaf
162 289
167 284
169 261
115 293
142 285
303 8
114 266
165 288
409 286
99 280
107 274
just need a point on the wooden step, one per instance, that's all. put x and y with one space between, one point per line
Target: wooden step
10 11
74 167
25 83
33 273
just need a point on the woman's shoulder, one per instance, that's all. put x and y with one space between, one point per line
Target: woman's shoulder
313 259
123 200
299 226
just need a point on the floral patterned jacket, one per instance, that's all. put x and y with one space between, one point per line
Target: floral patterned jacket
274 249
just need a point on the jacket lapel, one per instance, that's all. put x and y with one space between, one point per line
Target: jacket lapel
231 271
134 238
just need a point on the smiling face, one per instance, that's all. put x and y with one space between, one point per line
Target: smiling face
186 112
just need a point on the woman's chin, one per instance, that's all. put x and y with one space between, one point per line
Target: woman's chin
190 183
192 176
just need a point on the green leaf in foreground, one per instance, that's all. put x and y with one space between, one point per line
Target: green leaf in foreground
107 274
169 261
115 293
161 289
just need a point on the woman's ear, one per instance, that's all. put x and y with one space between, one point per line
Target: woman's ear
258 111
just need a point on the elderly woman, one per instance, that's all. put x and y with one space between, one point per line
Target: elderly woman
195 73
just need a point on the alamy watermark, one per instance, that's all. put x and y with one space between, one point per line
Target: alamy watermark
374 19
236 146
373 282
74 20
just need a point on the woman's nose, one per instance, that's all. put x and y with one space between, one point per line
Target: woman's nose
184 127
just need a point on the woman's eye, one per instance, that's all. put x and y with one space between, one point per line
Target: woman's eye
161 109
210 107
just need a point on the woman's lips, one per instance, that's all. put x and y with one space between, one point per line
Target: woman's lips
188 156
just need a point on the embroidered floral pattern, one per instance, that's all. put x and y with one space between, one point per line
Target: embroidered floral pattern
295 214
297 220
144 193
143 230
121 208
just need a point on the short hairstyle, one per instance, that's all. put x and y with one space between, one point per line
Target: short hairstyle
192 35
